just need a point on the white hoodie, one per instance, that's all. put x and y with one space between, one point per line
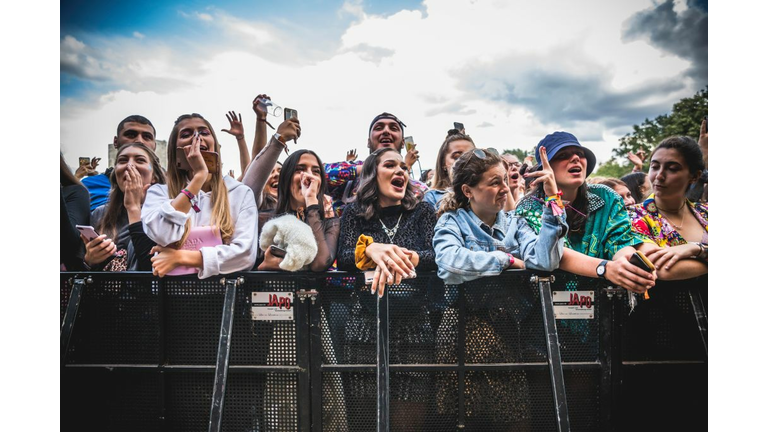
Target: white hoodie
165 225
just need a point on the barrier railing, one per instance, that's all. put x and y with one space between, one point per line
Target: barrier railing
270 351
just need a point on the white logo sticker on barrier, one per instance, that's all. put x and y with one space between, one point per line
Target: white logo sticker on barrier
574 304
272 306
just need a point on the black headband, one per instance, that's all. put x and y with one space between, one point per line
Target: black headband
385 115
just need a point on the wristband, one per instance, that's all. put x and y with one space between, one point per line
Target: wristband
555 203
511 260
265 121
192 200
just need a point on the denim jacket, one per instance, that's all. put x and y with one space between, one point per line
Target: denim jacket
466 248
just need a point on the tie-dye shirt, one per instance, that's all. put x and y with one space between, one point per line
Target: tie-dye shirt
652 225
606 231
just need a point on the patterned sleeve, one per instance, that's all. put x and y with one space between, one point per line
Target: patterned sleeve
618 230
530 210
642 223
338 174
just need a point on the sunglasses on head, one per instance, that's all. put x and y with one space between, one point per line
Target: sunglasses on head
482 155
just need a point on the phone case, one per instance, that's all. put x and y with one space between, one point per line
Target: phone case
276 251
211 160
640 260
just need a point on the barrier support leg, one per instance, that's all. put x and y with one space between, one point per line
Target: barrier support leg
553 353
222 358
701 315
382 363
68 324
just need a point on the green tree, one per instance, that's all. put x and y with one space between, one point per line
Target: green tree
520 153
685 119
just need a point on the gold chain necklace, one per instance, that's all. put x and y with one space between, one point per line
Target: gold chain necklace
682 219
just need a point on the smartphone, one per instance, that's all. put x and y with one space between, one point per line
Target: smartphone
458 126
640 260
87 231
290 113
276 251
85 161
211 160
409 145
369 277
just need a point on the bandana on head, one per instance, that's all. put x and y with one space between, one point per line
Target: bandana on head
385 115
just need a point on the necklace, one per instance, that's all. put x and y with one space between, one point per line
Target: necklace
682 219
390 232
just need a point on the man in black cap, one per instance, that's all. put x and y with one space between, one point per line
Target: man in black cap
385 130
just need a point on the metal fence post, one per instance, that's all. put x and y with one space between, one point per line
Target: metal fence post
700 313
553 353
382 362
222 358
68 324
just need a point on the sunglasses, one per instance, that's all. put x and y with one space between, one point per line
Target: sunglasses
482 154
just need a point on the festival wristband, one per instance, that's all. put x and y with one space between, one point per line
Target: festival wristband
192 200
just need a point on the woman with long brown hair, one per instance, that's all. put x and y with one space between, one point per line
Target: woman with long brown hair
122 243
198 197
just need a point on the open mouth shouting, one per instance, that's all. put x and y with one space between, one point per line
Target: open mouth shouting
398 184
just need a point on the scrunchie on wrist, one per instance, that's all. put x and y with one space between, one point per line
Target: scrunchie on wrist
362 261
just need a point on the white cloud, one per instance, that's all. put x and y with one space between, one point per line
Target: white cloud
410 63
138 35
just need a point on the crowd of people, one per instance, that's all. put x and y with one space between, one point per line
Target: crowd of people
474 214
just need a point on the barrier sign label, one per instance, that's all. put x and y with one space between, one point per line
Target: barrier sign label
272 306
574 304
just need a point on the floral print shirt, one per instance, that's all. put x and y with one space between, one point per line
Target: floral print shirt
652 225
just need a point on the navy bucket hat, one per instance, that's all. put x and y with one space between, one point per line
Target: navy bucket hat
557 141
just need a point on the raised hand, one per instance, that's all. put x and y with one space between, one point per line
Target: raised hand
95 162
351 155
134 189
545 175
258 108
310 184
235 125
289 129
195 158
637 159
411 157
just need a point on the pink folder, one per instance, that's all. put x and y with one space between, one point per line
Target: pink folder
203 236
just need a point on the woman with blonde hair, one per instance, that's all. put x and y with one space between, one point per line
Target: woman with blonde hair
195 197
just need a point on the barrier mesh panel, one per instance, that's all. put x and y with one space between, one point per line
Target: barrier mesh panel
504 323
117 322
104 400
193 319
262 343
579 338
261 402
664 327
188 400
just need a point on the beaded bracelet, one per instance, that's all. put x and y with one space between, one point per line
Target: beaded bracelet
555 203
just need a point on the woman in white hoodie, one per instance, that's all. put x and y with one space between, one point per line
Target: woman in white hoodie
196 197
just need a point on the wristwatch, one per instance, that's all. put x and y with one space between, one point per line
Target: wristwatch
601 269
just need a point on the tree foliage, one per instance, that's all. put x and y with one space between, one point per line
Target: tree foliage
685 119
520 153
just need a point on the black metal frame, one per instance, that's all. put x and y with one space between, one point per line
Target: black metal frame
310 368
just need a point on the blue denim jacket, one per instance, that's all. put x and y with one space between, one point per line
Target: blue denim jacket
466 248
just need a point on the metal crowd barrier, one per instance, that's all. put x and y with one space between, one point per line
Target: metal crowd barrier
271 351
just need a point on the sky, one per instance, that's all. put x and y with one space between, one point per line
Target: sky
511 71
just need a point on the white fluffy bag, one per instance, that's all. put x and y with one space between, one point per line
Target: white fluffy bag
289 233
